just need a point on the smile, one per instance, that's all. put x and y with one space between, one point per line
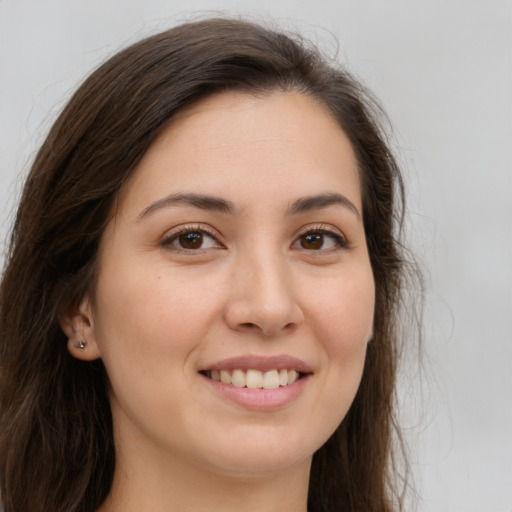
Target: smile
258 382
255 379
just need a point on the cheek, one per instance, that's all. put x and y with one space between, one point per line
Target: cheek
153 313
344 314
147 327
341 316
344 310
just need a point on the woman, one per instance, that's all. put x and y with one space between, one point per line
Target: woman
199 305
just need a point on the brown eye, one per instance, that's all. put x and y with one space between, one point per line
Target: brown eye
312 241
320 240
191 240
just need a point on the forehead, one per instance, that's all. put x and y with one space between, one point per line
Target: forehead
248 148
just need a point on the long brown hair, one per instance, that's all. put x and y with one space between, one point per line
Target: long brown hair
56 446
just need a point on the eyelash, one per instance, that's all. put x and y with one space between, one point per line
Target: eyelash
171 238
323 230
339 239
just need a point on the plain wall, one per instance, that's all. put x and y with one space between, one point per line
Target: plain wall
443 70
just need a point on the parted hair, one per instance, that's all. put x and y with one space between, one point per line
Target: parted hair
57 451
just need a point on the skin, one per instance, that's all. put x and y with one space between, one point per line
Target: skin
255 285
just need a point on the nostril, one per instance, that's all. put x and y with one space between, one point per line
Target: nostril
269 318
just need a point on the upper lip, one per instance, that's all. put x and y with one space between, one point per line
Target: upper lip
261 363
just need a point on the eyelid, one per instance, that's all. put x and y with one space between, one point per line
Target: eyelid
172 234
322 228
325 229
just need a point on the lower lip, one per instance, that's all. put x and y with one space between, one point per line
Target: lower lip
259 399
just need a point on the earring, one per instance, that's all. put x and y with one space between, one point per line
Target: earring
81 344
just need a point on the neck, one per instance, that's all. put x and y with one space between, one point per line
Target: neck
167 486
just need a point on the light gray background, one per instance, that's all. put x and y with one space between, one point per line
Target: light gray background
443 72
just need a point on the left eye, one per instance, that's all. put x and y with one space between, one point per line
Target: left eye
319 240
192 240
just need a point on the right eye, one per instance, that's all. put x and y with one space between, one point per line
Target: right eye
191 240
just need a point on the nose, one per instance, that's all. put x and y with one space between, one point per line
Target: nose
263 297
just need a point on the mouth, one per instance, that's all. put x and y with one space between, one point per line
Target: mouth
258 383
255 379
258 372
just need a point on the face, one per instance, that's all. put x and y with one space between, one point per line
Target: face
237 252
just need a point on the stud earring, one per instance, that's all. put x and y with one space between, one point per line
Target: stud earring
81 344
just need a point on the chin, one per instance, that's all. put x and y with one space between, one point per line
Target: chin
268 466
262 457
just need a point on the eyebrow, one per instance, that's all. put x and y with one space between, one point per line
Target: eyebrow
212 203
306 204
204 202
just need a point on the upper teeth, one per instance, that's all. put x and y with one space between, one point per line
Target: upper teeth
255 379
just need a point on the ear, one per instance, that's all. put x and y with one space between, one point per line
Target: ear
77 322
